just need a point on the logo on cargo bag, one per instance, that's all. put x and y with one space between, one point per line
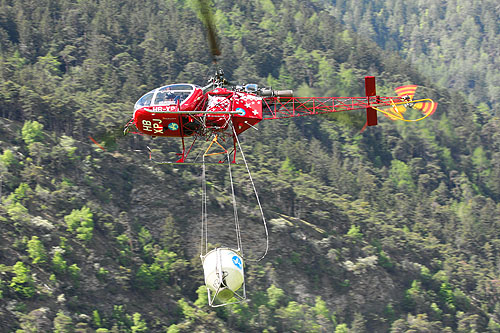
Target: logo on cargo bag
237 262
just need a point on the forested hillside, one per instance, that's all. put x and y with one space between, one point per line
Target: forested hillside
394 229
456 43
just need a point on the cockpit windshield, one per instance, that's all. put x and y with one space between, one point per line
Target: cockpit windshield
144 100
167 95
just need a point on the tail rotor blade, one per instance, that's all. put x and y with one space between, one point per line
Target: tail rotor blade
393 112
427 107
408 90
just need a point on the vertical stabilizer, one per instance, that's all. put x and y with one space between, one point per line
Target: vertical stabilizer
370 90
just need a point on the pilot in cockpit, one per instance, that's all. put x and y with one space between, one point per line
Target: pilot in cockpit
170 97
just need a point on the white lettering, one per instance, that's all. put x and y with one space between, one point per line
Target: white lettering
146 125
164 108
158 128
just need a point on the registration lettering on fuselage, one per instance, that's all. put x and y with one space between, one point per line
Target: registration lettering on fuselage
154 125
164 108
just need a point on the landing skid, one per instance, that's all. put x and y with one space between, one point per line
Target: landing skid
214 150
195 161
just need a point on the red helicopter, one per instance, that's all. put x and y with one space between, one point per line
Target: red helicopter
221 110
217 111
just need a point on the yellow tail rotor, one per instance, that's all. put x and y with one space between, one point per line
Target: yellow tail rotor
399 110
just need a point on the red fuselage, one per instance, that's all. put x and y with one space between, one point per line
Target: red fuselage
180 110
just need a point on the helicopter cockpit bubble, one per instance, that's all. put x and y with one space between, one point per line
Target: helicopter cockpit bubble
144 100
166 95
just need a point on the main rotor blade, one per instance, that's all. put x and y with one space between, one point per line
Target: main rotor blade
206 16
107 138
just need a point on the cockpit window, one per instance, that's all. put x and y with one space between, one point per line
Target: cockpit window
166 95
144 100
173 94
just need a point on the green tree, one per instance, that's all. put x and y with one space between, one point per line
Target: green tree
174 328
62 323
37 251
446 294
139 324
58 263
80 221
74 272
7 158
21 193
96 318
414 297
355 233
188 311
275 296
22 282
293 316
145 278
32 132
401 176
384 260
342 328
323 316
202 300
493 326
18 213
